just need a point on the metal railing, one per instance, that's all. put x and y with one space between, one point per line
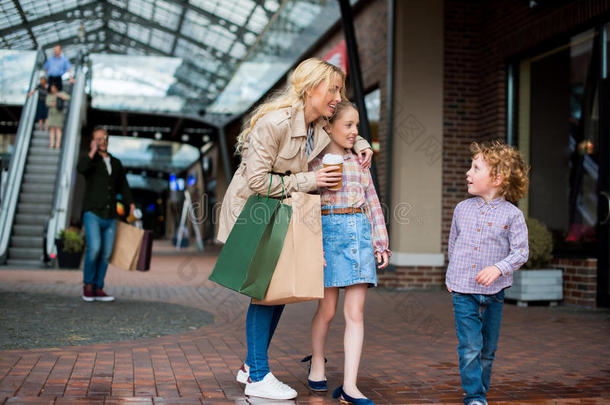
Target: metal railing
17 165
66 175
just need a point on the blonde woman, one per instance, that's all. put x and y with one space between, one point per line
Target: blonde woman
282 136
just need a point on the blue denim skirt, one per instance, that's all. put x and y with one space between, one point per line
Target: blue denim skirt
348 250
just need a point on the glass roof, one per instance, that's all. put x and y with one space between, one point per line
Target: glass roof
229 53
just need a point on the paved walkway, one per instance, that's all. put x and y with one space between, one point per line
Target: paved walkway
546 356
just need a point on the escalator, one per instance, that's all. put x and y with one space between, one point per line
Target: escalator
35 175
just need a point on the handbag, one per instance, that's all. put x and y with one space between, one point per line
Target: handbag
247 260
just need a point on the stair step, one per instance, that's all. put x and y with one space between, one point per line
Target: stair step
27 230
18 253
26 241
38 188
40 141
34 208
29 198
43 151
43 160
39 178
29 219
39 133
28 264
41 169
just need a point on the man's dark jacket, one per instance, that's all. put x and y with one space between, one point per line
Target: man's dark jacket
102 188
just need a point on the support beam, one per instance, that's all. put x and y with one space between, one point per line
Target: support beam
224 152
26 24
355 76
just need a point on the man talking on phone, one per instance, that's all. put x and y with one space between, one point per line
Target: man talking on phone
104 179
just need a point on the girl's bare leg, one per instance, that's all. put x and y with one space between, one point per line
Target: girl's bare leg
353 310
52 137
58 141
319 330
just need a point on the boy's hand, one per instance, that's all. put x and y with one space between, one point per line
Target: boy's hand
488 275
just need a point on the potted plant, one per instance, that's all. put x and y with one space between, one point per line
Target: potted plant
536 281
70 245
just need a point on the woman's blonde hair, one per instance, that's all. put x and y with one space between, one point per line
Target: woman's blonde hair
305 77
507 162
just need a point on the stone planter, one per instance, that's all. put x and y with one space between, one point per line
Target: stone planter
536 285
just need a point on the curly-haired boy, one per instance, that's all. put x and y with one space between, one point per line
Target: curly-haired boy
487 243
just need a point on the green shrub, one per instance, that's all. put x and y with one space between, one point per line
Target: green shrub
72 240
541 244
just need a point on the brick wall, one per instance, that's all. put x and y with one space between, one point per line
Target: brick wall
579 281
412 277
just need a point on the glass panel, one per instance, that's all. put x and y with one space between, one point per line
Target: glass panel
134 83
151 154
560 132
15 74
372 102
299 24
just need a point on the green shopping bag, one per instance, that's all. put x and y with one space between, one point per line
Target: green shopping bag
250 254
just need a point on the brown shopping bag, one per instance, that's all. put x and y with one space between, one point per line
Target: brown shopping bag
127 244
299 273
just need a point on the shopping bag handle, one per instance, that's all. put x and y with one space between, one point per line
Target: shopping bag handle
269 189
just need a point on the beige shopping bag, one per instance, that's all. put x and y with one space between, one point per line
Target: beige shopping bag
299 273
127 244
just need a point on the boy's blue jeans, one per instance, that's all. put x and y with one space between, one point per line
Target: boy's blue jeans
477 323
261 322
100 240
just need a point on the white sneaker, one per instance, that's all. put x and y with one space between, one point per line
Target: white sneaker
269 387
243 374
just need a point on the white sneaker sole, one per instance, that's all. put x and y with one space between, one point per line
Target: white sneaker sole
242 377
104 299
253 393
88 299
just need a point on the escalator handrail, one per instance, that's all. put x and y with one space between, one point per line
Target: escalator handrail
67 166
17 165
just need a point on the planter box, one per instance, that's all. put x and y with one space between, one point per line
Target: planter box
536 285
67 260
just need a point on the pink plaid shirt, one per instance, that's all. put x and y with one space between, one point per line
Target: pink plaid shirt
357 191
485 234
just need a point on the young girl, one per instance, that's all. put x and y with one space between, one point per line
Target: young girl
347 215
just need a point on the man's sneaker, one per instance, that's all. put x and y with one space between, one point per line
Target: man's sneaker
243 374
88 294
270 388
100 295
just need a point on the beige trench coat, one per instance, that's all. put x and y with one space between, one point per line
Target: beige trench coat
275 145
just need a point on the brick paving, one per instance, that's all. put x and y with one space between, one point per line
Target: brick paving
546 355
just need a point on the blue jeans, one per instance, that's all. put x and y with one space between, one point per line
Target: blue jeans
261 322
477 323
100 240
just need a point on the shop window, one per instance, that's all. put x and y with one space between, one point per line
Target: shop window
558 133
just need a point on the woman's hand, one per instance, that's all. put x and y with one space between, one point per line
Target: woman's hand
328 176
382 258
365 157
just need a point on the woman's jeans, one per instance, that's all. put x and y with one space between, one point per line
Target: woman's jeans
261 322
100 240
477 323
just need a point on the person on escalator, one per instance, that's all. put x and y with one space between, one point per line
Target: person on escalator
104 179
42 111
55 101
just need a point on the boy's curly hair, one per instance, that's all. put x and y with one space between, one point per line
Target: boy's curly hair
507 162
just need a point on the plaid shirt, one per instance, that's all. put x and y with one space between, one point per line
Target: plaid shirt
357 191
485 234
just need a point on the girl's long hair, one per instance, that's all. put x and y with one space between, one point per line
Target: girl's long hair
306 77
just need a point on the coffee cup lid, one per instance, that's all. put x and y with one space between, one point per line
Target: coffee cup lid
332 159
